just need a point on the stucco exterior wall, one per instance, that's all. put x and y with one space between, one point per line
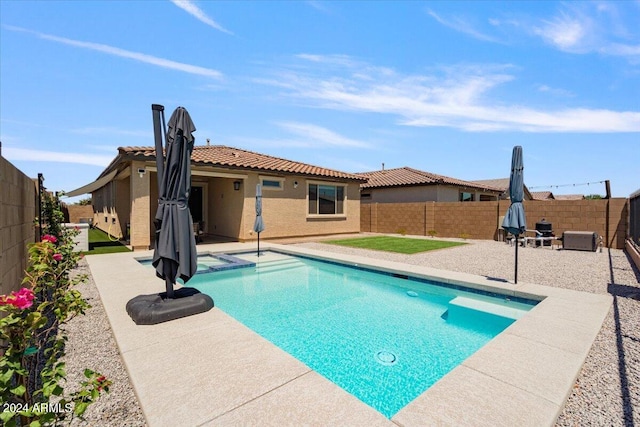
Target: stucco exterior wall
420 193
227 212
285 211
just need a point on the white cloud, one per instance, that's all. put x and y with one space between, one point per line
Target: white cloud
458 99
565 32
555 91
192 9
320 134
586 27
136 56
318 5
33 155
461 25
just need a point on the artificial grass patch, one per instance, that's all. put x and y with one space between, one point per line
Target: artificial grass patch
100 243
401 245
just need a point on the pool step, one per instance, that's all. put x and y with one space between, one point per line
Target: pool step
277 265
472 306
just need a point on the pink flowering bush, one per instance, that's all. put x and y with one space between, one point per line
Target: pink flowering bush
49 238
32 340
21 299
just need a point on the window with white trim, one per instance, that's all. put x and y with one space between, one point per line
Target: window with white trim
325 199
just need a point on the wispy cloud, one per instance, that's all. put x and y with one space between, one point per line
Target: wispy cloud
566 32
460 24
593 27
136 56
192 9
319 134
33 155
318 5
459 98
555 91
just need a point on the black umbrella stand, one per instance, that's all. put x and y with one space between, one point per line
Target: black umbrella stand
174 227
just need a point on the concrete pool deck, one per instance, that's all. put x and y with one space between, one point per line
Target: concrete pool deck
209 369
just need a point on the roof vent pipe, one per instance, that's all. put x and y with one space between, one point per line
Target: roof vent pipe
382 166
208 142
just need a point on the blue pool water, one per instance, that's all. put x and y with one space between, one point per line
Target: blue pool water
383 339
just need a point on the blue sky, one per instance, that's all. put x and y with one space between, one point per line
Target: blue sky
445 87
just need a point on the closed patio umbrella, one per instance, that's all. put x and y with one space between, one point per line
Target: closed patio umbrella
175 250
175 247
514 221
258 225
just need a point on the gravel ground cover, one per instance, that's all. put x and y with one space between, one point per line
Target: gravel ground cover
91 345
607 390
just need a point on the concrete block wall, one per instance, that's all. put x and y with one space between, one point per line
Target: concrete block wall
479 220
78 213
18 210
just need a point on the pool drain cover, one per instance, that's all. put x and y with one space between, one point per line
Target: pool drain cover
386 357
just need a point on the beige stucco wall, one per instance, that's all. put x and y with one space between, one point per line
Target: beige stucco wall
225 206
227 212
285 211
18 210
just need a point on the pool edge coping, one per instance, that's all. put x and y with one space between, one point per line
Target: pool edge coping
551 407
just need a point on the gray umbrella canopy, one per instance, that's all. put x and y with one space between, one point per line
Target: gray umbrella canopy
258 225
515 221
175 250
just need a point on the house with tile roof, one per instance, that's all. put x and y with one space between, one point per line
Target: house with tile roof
406 185
569 196
542 195
298 199
503 184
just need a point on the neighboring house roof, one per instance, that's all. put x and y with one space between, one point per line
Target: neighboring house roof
236 158
407 176
503 184
542 195
569 197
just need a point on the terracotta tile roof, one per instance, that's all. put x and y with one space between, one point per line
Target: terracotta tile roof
406 176
503 184
542 195
569 197
235 158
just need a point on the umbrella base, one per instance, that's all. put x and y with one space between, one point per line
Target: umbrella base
155 308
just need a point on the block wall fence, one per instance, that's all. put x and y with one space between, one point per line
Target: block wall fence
480 220
18 210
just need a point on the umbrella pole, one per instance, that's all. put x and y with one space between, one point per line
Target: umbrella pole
169 287
258 244
517 244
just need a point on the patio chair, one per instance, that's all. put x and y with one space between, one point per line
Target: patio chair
198 230
522 240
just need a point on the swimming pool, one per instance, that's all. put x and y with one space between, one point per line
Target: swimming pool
383 338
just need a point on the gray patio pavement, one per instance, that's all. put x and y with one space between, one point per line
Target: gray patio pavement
211 370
